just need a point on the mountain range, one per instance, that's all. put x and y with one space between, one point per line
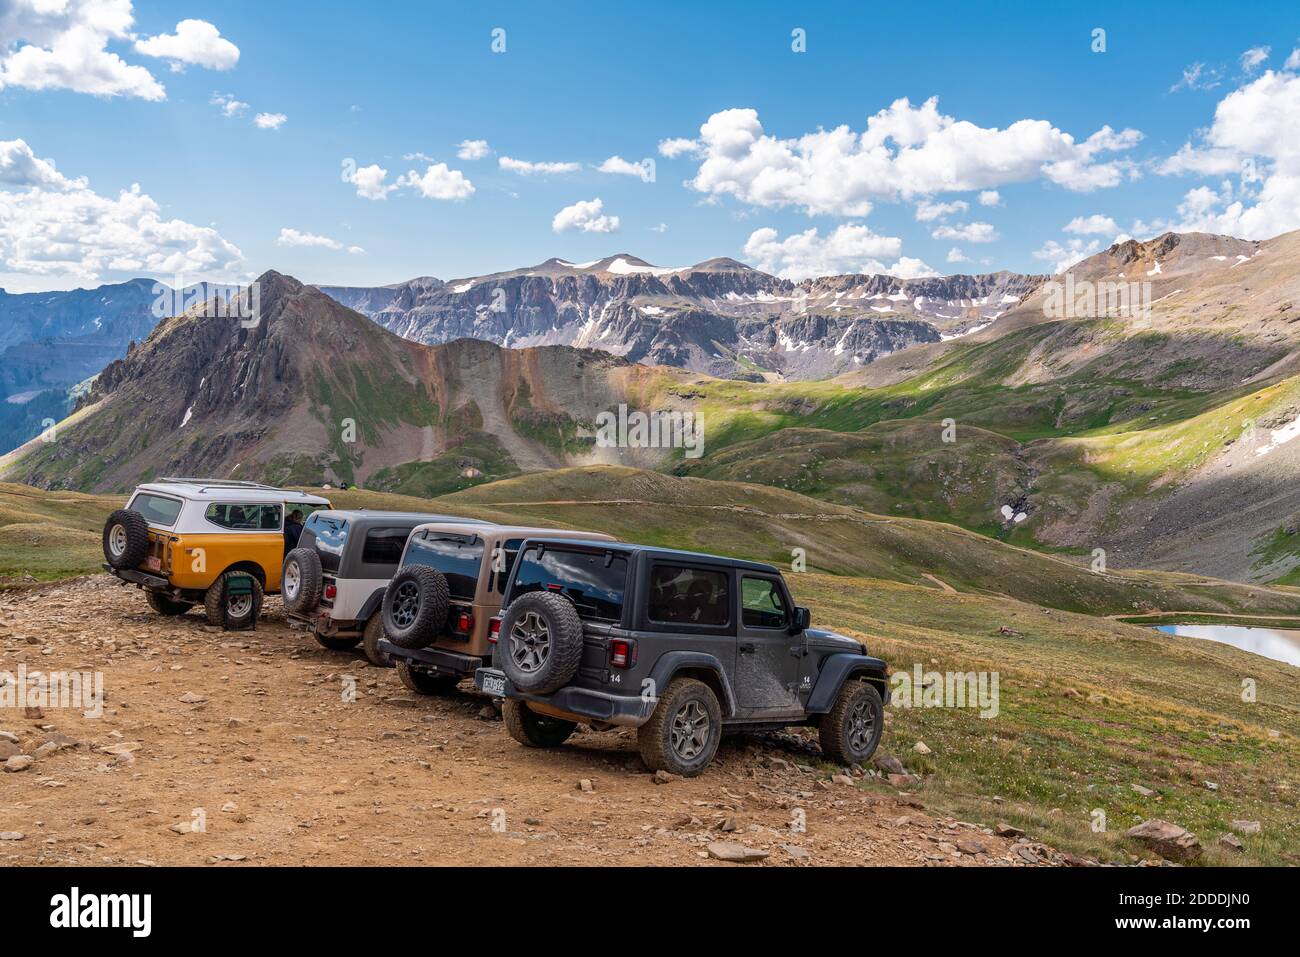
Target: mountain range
1158 437
719 317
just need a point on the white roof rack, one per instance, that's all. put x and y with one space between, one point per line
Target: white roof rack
217 483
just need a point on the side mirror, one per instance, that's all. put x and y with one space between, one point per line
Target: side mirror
802 620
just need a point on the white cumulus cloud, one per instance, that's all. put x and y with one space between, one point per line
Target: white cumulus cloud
905 151
1063 256
63 45
269 121
438 182
59 228
680 146
1088 225
645 170
195 42
585 216
967 232
228 105
525 168
293 237
927 211
955 255
849 248
990 197
472 149
370 181
1254 134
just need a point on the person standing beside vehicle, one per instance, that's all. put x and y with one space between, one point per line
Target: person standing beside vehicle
292 530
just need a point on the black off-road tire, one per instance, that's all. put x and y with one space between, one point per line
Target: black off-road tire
337 642
212 603
844 739
126 539
306 571
165 604
416 602
370 642
425 682
540 645
657 739
534 730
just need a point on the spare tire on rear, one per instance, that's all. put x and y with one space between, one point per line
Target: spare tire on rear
540 645
126 538
415 608
300 580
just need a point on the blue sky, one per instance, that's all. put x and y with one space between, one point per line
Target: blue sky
579 83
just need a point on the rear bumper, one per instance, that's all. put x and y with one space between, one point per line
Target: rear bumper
437 660
138 577
627 711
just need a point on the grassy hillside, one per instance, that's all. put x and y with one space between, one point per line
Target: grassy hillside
1088 706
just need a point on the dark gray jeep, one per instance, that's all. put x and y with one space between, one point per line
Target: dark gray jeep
676 644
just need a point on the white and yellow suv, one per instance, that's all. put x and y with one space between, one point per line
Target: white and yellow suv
221 543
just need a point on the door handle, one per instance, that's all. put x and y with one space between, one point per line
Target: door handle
747 648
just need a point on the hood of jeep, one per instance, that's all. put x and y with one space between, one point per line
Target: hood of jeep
833 641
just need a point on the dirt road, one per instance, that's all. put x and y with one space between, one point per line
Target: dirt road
246 748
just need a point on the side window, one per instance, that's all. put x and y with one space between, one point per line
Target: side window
245 516
383 546
762 603
156 509
689 596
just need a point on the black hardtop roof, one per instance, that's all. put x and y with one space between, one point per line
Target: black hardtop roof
654 551
405 518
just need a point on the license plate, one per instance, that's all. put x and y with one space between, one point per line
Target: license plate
494 685
152 563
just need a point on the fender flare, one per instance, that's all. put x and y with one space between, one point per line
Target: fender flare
674 662
372 605
839 668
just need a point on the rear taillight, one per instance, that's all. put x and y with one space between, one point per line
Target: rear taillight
465 622
622 653
331 590
554 587
494 629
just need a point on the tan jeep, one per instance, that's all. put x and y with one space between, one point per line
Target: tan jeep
438 607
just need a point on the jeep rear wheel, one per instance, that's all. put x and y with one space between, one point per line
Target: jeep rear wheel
240 610
534 730
370 642
426 682
415 606
540 642
851 730
301 580
126 539
165 604
683 733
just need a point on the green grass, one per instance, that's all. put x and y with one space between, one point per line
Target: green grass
1088 706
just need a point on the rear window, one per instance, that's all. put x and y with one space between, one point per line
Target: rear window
594 582
329 535
156 509
458 557
383 546
245 516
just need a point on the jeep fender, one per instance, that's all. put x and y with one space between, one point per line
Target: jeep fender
372 605
675 662
839 668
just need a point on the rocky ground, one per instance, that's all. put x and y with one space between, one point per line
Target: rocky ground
242 748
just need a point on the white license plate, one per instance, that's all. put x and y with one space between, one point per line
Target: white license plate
494 685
